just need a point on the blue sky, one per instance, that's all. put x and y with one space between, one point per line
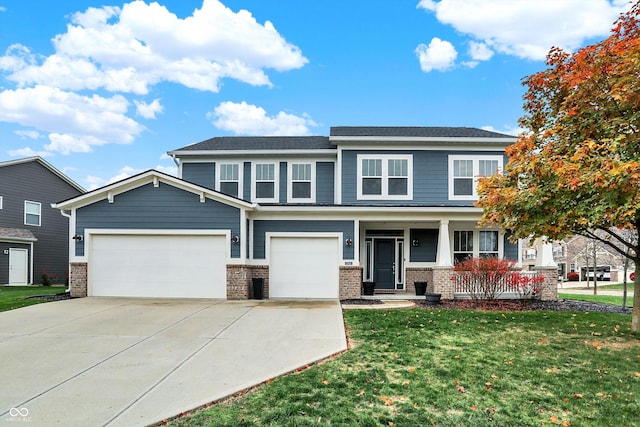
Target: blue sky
102 89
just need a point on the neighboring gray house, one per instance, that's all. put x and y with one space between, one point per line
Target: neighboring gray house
34 237
314 216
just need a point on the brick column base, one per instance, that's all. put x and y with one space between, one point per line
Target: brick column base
419 275
78 279
350 282
442 283
549 288
240 283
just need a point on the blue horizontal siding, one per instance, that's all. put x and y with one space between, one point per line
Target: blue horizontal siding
163 208
430 177
261 227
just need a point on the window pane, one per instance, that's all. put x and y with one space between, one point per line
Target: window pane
265 172
301 190
301 172
463 168
264 190
463 187
488 241
371 167
32 208
229 172
463 241
230 188
398 167
372 186
487 167
398 186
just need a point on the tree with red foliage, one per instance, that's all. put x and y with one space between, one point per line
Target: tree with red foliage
576 170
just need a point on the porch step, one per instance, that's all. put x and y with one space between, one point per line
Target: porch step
393 296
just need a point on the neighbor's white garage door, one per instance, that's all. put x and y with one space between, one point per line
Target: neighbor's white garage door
303 267
157 266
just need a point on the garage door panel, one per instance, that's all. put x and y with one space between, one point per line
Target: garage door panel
303 267
161 266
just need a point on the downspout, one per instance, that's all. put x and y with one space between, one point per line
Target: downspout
71 248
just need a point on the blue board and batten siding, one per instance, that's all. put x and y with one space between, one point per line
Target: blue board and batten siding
430 177
202 174
261 227
162 208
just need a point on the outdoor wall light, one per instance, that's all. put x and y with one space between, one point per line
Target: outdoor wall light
348 242
235 239
77 237
415 242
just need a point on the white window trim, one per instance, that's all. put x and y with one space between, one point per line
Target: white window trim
39 215
1 199
276 182
476 171
240 175
385 176
290 198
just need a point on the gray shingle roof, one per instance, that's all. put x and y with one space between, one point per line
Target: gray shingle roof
16 234
414 131
262 143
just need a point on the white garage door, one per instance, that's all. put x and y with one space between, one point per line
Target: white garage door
303 267
158 266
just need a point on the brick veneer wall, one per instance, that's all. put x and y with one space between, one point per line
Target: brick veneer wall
350 281
240 283
419 275
78 279
549 288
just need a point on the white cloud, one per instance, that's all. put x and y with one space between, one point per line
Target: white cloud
28 152
170 170
525 28
508 130
27 134
148 111
245 119
131 48
73 122
480 51
3 9
439 55
93 182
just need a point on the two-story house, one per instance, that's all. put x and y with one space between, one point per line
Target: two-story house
34 237
314 216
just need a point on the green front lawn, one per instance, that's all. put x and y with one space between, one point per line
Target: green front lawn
414 367
12 297
607 287
606 299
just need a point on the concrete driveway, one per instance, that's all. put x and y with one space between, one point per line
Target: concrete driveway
128 362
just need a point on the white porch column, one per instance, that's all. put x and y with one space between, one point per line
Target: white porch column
443 257
545 256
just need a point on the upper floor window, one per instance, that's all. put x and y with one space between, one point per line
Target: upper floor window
32 213
385 177
229 179
0 202
301 182
265 178
464 171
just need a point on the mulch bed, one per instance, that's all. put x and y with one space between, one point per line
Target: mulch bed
54 297
508 305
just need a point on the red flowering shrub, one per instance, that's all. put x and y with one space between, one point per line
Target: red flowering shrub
488 278
632 276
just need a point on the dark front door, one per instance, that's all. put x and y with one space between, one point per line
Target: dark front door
384 257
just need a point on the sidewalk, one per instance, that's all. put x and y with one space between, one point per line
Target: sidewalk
578 288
